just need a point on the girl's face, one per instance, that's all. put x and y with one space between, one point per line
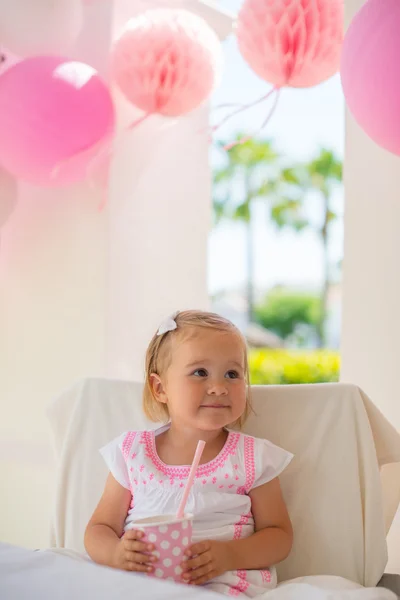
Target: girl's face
205 385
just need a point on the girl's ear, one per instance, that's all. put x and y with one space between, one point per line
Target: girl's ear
157 388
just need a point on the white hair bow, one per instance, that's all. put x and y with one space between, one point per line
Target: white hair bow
169 324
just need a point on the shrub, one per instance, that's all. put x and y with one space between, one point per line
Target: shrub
283 310
278 367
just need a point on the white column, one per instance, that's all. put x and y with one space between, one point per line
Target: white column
160 216
371 279
81 290
158 231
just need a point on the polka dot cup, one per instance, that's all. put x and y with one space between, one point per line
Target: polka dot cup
171 537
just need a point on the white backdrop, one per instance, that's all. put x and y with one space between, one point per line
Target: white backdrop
81 290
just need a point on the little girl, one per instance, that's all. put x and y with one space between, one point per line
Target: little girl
197 381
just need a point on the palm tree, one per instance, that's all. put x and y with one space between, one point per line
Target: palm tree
254 171
322 175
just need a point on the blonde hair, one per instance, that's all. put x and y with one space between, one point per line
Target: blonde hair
158 358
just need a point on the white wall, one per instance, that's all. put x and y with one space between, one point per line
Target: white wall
371 282
81 290
52 308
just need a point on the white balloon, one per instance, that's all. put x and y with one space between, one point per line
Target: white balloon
8 195
29 27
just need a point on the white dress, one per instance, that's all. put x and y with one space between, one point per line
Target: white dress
218 499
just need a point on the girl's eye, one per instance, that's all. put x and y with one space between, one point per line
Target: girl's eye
200 373
232 374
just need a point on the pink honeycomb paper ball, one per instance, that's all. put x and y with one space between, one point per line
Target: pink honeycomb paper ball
167 61
291 42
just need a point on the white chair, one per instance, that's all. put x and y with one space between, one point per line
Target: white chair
341 507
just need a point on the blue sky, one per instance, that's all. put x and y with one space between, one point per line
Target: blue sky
304 121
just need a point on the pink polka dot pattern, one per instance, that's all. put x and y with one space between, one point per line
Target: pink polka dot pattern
170 539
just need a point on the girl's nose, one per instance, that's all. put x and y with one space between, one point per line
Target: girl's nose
217 389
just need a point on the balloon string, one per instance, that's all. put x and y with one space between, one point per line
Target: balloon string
58 166
144 159
106 152
138 121
245 139
229 105
242 108
106 147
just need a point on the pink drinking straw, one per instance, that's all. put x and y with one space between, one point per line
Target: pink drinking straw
189 483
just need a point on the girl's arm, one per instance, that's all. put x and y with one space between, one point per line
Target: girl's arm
273 538
106 526
105 540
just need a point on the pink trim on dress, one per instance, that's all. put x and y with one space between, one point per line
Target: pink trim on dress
244 519
181 472
249 466
126 449
127 444
250 477
266 575
242 585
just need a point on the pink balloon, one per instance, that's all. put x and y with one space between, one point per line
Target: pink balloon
167 61
291 42
370 71
54 115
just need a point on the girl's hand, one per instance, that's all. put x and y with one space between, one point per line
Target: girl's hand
130 553
206 560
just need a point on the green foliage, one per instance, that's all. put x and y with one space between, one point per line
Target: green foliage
257 170
278 367
283 310
324 171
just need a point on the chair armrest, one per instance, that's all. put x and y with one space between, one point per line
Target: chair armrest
391 582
